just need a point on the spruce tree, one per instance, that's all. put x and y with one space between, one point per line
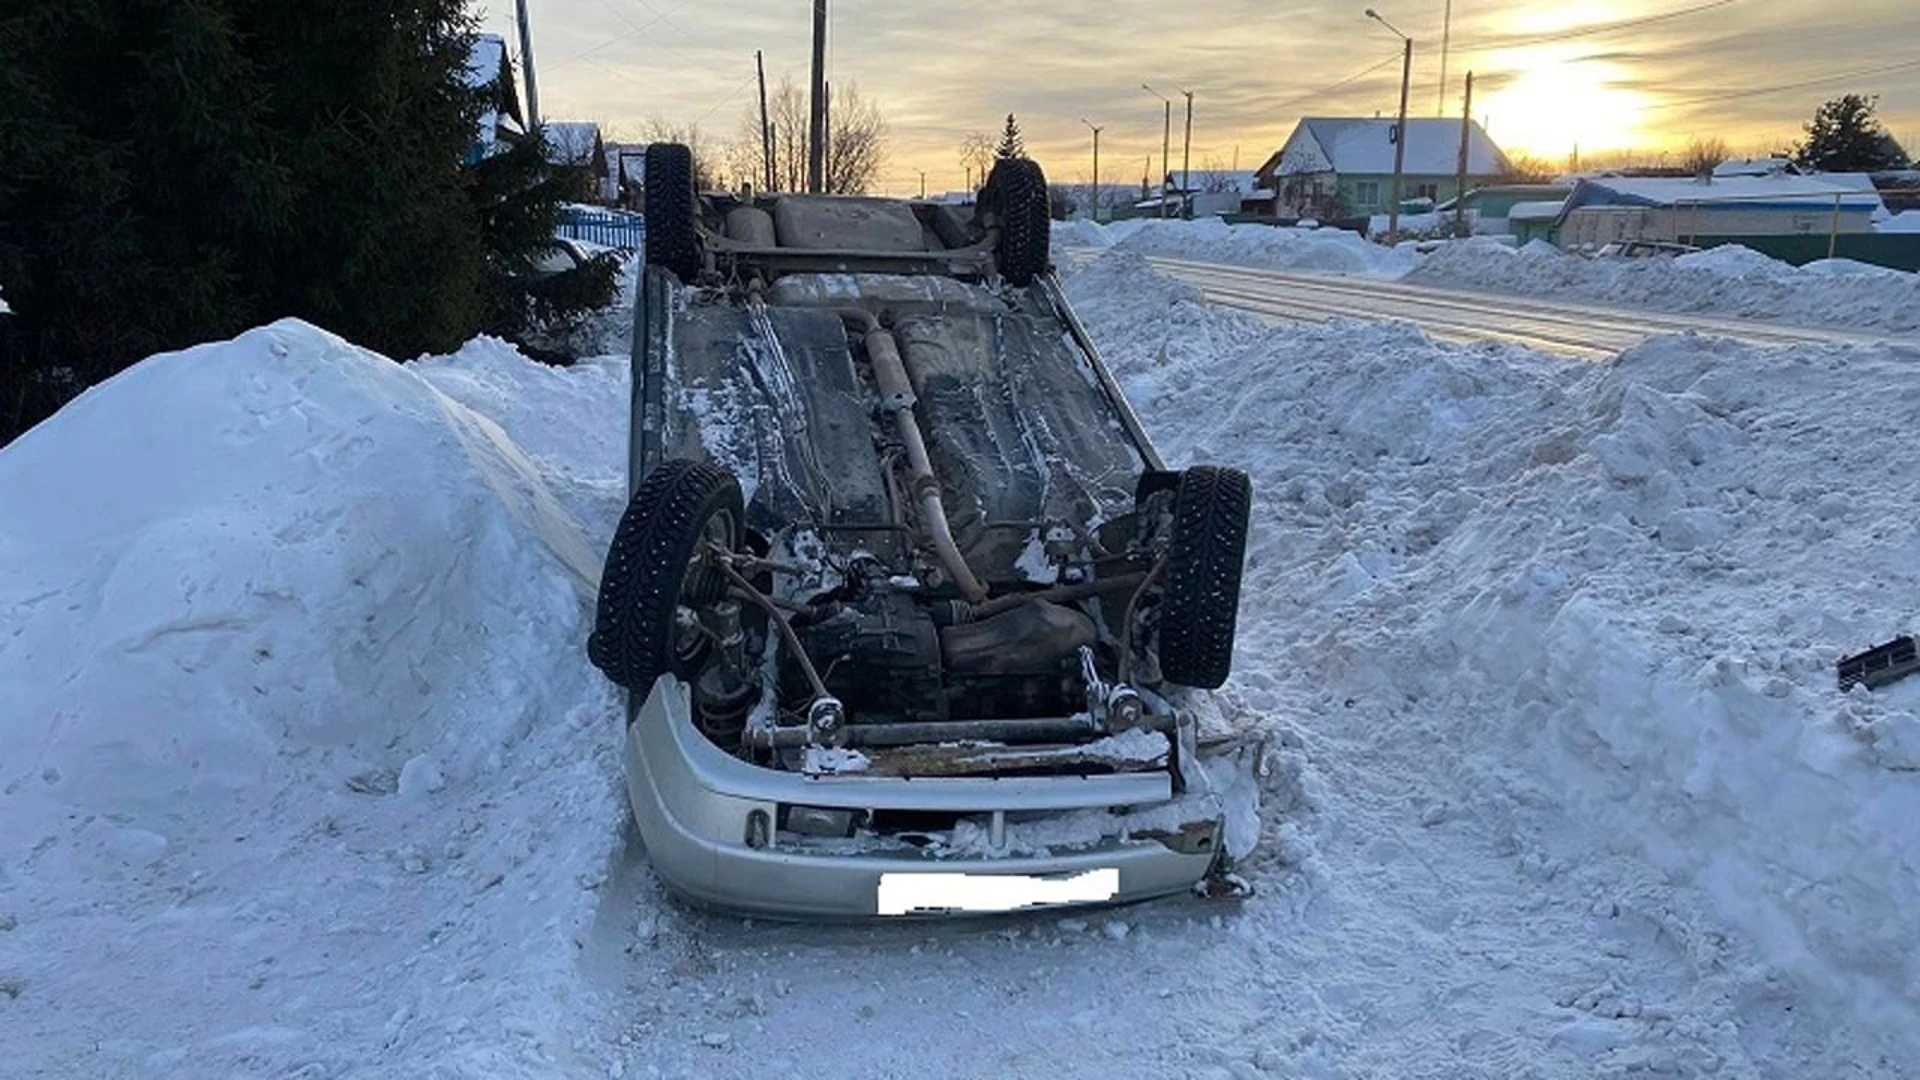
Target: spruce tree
518 195
176 172
1011 145
1845 136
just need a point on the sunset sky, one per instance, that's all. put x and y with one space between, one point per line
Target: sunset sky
1547 75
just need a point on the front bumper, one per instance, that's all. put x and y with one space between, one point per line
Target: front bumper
697 808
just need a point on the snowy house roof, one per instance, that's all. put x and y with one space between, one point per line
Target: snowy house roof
571 142
1365 146
633 164
1778 191
1766 166
1906 221
1538 210
488 70
1216 179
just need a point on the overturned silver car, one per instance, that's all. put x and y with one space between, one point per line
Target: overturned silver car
909 611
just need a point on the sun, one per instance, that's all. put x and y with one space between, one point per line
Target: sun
1560 101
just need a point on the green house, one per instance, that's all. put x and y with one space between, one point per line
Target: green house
1342 167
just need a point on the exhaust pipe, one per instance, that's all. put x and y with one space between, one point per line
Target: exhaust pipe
896 397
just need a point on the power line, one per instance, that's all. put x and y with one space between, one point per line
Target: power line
1723 95
637 29
1589 31
725 100
1325 90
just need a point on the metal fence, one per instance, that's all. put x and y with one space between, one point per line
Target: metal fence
621 229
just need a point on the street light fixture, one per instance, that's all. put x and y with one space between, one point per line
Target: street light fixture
1166 144
1095 128
1400 127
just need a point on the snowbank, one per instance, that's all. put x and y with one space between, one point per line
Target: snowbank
304 770
1594 609
1728 280
1212 240
1080 233
1906 221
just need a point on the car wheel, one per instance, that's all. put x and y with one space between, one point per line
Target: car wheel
1204 564
659 573
1018 190
673 238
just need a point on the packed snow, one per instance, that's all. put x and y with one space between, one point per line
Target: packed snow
1727 280
1271 248
305 773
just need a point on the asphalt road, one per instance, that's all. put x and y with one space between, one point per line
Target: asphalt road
1585 330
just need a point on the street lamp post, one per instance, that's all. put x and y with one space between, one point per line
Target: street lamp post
1400 127
1166 144
1096 165
1186 162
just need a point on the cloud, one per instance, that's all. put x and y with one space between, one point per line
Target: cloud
942 70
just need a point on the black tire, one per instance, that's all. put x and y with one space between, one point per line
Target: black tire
673 238
1018 190
650 572
1204 565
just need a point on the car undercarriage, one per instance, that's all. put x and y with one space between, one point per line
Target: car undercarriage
902 588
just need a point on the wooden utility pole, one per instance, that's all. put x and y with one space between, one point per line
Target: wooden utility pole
1186 162
1460 186
1400 142
817 111
769 176
526 62
826 138
1095 214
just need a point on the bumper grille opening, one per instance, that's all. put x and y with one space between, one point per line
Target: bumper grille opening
905 824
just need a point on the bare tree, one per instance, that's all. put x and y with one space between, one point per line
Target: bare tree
1527 169
856 142
1212 177
976 155
1703 153
713 161
856 139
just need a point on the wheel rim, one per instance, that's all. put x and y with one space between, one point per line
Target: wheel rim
702 583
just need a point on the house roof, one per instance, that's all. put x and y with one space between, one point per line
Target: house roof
570 142
1777 191
1538 210
1754 167
1242 182
488 70
1364 146
633 164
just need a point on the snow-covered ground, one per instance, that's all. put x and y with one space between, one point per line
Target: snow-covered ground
1720 281
1582 619
304 772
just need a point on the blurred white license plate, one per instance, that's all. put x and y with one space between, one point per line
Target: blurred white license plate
906 894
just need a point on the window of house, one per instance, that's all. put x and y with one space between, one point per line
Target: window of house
1426 191
1367 193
